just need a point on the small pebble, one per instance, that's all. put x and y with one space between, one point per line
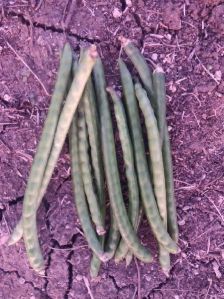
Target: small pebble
117 13
78 277
22 281
154 56
128 3
218 75
7 98
181 222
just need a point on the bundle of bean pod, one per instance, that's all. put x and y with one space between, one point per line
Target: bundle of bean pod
80 108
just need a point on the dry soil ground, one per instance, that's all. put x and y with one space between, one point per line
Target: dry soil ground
186 37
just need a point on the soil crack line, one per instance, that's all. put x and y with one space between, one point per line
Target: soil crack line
15 201
52 28
113 279
70 266
27 282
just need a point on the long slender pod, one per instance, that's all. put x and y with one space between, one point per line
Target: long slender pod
113 237
160 94
171 204
101 98
126 144
49 128
156 162
29 208
160 90
141 66
80 200
129 255
147 194
94 205
112 174
92 121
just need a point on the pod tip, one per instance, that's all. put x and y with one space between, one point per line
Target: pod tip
159 69
124 41
93 51
100 230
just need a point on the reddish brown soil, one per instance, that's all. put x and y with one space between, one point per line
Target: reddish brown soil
186 37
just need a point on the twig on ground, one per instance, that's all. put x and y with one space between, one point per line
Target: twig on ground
39 5
215 206
139 279
206 70
27 66
86 282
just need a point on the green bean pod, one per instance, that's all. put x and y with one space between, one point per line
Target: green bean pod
171 205
92 121
160 94
141 66
112 174
101 97
44 147
128 255
94 205
156 162
80 200
147 194
126 144
30 200
113 236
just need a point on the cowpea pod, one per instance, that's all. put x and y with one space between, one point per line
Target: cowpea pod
30 199
112 176
113 237
128 255
141 66
157 168
126 144
94 205
46 140
160 95
101 98
160 90
92 121
80 200
159 228
146 191
156 160
171 205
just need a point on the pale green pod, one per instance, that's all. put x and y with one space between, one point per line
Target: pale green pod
101 97
112 176
30 200
147 194
160 95
80 200
94 204
92 121
114 236
141 66
171 204
126 144
128 255
49 129
156 161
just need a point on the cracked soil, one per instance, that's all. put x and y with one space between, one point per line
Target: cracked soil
186 38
